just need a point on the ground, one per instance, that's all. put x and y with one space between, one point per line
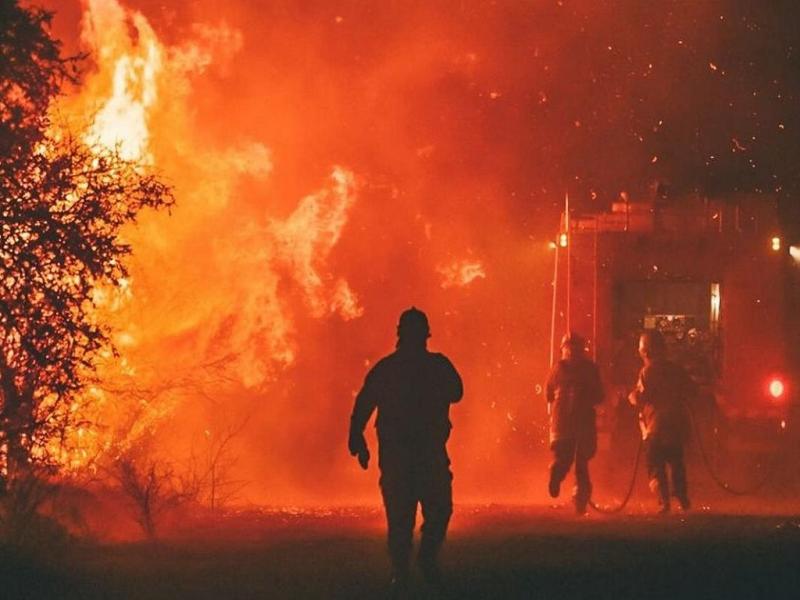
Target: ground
492 552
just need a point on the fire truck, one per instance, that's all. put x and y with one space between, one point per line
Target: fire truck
711 275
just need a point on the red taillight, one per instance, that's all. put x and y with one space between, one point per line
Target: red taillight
776 388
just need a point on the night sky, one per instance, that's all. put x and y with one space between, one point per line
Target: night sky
702 96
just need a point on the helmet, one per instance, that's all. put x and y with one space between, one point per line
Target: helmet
573 341
413 324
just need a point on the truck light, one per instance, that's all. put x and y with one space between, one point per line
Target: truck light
562 240
776 388
776 244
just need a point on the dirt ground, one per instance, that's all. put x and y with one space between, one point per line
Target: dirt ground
492 552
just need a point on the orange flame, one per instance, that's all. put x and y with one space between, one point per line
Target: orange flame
220 304
306 238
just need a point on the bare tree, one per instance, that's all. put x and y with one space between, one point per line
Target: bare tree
153 487
218 486
157 485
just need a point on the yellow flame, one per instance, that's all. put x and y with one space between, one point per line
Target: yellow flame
121 121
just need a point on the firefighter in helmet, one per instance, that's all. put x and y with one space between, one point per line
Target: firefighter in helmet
573 391
661 395
412 390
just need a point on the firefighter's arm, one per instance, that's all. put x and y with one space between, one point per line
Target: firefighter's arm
638 395
550 390
550 386
453 384
362 412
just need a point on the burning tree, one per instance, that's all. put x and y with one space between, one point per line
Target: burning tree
63 204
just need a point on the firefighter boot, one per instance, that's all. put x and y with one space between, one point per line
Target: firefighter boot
400 582
660 489
554 487
581 499
431 573
428 562
583 485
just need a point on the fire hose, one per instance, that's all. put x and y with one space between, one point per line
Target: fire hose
706 462
631 485
716 478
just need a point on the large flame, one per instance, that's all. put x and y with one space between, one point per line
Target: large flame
277 278
204 298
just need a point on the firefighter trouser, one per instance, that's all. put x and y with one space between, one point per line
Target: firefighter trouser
659 455
404 484
579 451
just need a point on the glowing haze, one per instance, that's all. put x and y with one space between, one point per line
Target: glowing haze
336 162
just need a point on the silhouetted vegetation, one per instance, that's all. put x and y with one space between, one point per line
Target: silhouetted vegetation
62 205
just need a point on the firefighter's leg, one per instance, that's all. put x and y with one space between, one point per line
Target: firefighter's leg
401 511
678 472
583 483
436 499
563 455
657 471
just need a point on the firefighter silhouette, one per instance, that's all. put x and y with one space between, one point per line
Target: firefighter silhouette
661 394
412 390
573 390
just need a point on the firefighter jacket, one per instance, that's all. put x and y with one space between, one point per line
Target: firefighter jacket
573 390
661 395
412 390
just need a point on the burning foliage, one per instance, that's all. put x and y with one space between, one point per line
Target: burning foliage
63 205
